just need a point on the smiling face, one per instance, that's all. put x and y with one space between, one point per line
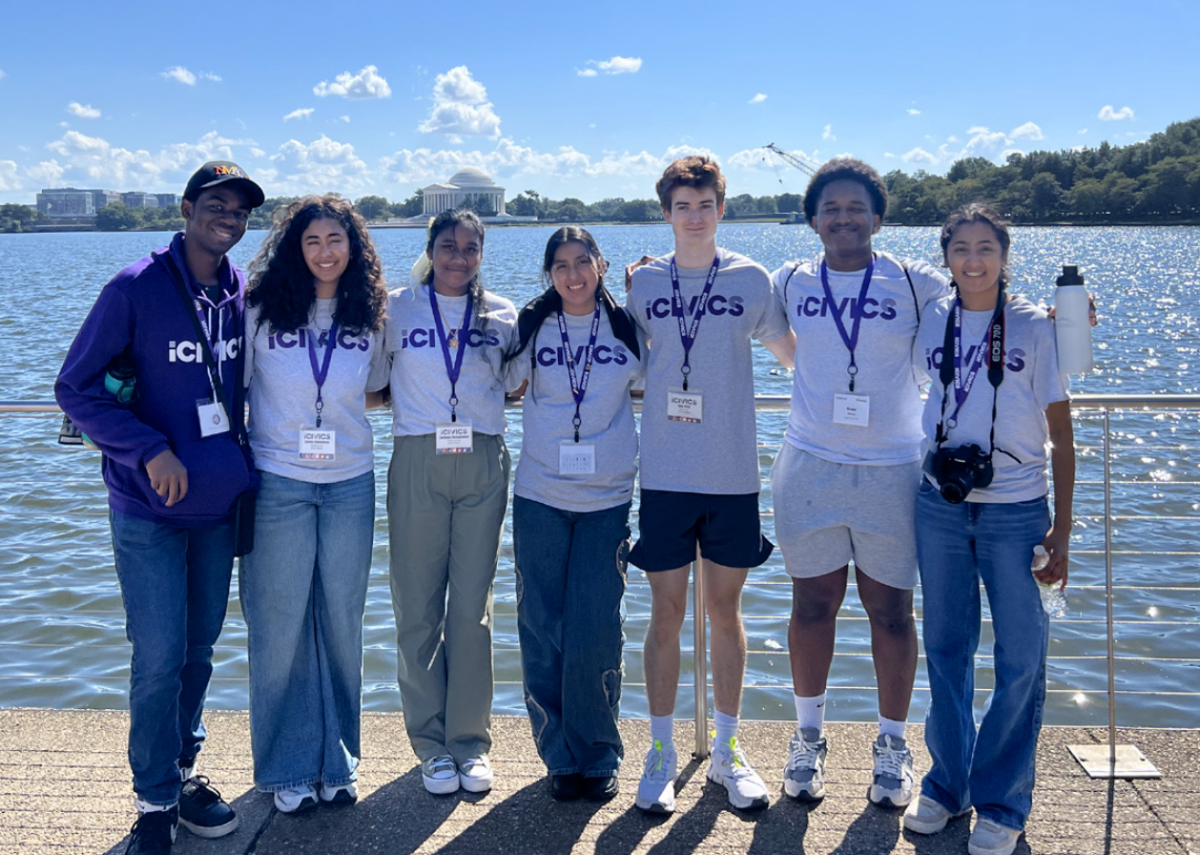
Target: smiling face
576 277
845 221
457 254
217 219
326 250
976 257
693 216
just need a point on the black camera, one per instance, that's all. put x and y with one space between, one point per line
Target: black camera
960 470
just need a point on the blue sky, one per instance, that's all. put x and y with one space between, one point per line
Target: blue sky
588 99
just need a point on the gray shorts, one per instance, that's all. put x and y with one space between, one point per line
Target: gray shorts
827 514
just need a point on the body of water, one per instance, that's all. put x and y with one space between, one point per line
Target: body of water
62 626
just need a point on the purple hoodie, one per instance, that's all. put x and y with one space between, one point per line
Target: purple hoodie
140 309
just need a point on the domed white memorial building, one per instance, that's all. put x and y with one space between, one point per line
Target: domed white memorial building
467 185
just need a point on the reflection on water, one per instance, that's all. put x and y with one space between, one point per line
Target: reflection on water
62 628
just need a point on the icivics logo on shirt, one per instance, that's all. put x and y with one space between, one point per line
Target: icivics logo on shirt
299 338
547 356
1014 358
718 304
192 351
814 306
428 338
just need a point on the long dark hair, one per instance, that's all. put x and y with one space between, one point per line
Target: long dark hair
282 284
531 318
977 212
449 220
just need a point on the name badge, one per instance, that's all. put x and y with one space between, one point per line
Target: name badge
851 410
213 419
318 444
453 437
576 459
685 406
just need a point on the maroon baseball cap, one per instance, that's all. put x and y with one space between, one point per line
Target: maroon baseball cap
219 172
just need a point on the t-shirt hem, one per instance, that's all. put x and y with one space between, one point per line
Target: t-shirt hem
825 454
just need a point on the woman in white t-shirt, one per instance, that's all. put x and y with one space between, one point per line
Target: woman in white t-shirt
447 497
996 400
314 354
577 358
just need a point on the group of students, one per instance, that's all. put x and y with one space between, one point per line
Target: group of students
314 340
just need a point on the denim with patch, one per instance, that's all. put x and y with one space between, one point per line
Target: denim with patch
958 546
571 570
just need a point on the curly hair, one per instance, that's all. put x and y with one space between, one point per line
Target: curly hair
845 169
281 283
696 171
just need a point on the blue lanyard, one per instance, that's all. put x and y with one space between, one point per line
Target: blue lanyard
579 386
688 336
319 374
453 369
963 385
851 340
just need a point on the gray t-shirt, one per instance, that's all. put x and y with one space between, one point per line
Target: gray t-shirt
420 383
282 395
606 417
1031 384
719 455
884 356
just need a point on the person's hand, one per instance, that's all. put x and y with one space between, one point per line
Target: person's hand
645 259
1057 545
1093 318
168 477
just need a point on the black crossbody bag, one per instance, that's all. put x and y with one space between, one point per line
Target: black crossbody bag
244 505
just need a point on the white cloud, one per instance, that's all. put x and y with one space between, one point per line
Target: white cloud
919 155
760 159
366 84
299 113
9 179
83 111
460 107
913 111
258 152
322 166
827 134
1108 114
208 75
180 74
2 74
84 161
1082 130
983 143
1027 131
616 65
757 99
345 119
951 139
888 154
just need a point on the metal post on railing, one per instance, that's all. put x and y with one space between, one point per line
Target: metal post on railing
1112 760
700 644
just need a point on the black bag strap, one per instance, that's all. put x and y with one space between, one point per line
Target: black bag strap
913 290
238 411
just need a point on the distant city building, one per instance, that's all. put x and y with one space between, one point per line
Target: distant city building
468 186
104 197
67 203
166 200
139 200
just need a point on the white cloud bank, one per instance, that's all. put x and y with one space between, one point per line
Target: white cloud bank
83 111
300 113
357 87
180 75
616 65
460 107
919 156
757 99
1108 114
1027 131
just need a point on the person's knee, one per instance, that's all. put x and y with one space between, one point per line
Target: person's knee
724 615
814 607
894 619
667 614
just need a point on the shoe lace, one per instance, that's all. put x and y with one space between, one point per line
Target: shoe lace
199 790
737 764
444 763
153 827
889 761
655 767
802 753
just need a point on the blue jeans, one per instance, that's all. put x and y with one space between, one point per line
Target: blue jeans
957 546
175 588
570 571
303 590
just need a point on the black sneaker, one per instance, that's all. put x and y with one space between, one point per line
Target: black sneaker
566 788
153 833
202 811
601 788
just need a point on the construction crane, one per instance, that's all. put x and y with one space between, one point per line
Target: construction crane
803 164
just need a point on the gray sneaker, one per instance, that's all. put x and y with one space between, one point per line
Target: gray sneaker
804 774
892 784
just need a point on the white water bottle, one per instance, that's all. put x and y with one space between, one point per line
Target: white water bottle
1072 322
1054 599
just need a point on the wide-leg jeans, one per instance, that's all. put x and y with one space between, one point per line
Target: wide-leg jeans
957 547
175 588
303 590
571 572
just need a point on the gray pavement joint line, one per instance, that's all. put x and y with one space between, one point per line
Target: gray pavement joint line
252 846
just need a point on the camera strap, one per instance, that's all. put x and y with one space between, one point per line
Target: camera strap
952 359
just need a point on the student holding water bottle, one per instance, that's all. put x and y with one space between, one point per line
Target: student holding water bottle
996 399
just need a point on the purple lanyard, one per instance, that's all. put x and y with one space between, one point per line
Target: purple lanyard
688 336
962 385
851 340
453 369
319 374
579 386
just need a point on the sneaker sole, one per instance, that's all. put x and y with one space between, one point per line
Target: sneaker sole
474 785
657 808
340 799
439 787
802 793
306 803
757 803
885 800
917 826
1007 850
210 831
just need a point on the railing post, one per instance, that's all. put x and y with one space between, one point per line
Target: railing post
700 644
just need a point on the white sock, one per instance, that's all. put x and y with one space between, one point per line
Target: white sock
887 727
726 725
810 712
662 729
146 807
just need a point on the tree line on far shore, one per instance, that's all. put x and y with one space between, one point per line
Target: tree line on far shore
1151 182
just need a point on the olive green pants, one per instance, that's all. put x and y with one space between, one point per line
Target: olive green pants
445 514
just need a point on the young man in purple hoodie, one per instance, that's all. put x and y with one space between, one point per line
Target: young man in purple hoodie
174 468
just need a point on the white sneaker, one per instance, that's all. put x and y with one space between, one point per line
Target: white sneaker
730 768
440 775
892 785
925 816
296 799
346 794
804 774
656 790
992 838
475 774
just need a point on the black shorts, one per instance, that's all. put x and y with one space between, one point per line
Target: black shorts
727 528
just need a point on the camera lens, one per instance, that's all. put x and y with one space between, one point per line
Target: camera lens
953 492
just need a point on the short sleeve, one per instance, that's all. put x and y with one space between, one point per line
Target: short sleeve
381 362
